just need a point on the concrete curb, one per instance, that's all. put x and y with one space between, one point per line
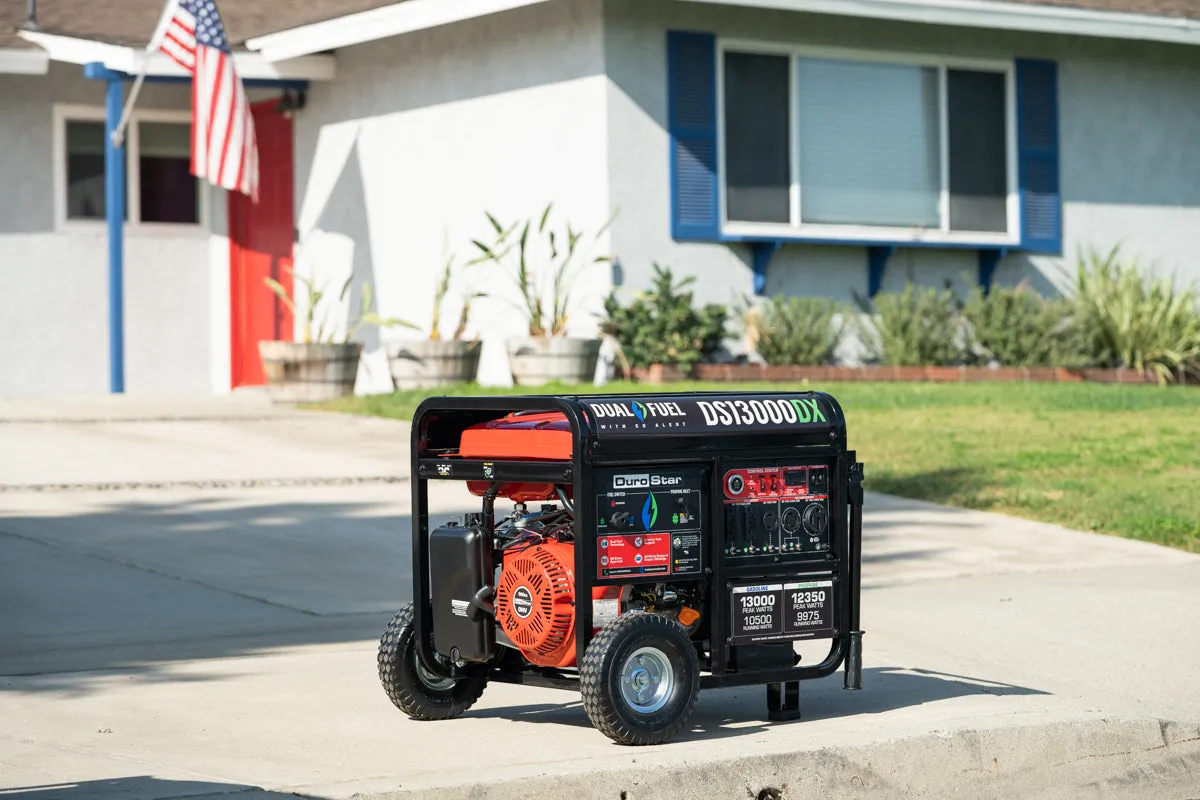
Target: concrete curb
1103 758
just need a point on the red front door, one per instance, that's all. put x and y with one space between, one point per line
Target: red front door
260 246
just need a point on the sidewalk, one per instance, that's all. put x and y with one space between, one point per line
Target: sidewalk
240 440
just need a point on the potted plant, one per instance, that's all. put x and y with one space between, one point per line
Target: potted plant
323 365
661 335
547 354
435 361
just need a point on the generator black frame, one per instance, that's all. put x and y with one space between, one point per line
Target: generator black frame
439 421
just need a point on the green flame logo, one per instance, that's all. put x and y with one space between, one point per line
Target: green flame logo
650 512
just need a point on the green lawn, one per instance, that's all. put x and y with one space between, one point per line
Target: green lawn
1114 459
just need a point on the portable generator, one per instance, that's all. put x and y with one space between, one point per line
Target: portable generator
656 545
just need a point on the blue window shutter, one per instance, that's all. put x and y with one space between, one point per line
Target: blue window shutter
692 124
1037 155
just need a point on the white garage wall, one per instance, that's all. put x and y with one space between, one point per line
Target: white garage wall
502 114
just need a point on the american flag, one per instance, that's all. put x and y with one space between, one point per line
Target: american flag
224 147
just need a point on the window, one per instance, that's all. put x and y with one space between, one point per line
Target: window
838 146
168 190
85 169
159 185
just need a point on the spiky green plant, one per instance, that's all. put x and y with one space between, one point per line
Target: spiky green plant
322 330
442 290
547 308
1139 322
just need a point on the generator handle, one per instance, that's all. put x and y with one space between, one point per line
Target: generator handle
853 678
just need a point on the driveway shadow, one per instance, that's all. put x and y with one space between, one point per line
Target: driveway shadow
135 586
740 711
137 787
939 486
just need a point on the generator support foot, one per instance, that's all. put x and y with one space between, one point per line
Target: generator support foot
783 701
854 662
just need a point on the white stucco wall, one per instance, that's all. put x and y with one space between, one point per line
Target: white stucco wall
54 278
422 133
1130 150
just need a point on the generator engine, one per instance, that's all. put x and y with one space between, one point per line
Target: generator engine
535 593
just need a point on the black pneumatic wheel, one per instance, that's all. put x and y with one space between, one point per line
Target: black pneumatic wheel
417 692
639 679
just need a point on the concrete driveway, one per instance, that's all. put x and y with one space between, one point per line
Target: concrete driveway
191 592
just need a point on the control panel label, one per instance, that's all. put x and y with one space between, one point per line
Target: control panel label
685 554
648 522
782 611
776 511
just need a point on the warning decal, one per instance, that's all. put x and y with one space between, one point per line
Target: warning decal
634 554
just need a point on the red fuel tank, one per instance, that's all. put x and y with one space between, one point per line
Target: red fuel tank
540 436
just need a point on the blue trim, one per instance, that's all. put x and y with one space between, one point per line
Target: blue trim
877 258
988 260
1038 155
692 134
848 242
98 72
762 252
114 207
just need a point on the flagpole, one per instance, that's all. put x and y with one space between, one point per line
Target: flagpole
160 32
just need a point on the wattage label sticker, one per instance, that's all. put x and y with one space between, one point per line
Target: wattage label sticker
808 609
782 611
757 612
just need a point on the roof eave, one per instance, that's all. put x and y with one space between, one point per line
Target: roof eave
120 58
378 23
1028 17
414 15
24 61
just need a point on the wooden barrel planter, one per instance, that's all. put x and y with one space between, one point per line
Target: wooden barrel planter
427 363
299 372
553 359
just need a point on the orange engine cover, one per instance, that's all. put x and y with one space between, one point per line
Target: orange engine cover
535 602
542 436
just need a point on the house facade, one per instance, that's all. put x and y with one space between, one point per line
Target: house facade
832 151
192 298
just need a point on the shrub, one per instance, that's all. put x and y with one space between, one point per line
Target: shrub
662 326
796 330
1074 344
913 328
1018 327
1132 320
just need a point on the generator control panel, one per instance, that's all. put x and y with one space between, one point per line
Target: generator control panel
775 511
650 523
